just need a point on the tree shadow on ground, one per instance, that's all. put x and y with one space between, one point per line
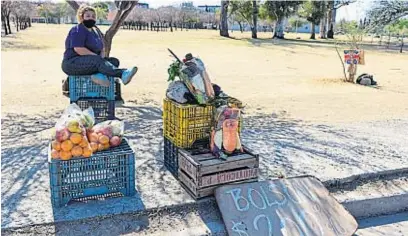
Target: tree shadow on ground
297 148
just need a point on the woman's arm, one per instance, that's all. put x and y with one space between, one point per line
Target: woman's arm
83 51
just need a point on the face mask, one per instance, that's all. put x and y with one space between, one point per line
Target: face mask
89 23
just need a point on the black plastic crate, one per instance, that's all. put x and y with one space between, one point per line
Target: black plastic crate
103 109
171 157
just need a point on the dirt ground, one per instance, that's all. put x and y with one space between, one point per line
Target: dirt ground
302 81
300 117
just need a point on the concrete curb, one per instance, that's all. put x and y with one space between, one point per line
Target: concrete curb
360 209
371 207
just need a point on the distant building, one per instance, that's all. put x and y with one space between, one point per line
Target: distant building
142 5
187 5
209 8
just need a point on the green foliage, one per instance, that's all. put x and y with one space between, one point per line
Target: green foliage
277 10
242 10
174 71
387 12
101 13
399 27
265 15
313 11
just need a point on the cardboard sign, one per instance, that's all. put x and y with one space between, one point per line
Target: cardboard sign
290 207
352 56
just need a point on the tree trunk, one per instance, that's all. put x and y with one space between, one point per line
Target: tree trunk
224 19
171 26
8 23
402 43
255 20
330 26
240 27
278 31
322 28
16 19
389 39
29 22
3 20
313 34
124 10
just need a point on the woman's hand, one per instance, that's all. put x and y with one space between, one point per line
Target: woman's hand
83 51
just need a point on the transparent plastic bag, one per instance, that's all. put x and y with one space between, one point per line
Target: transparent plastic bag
106 135
70 139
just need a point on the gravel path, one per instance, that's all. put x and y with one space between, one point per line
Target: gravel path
286 146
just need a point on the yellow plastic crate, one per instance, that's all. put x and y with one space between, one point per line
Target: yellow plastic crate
184 124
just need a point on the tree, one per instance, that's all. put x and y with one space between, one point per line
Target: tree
354 38
169 15
255 19
331 7
123 10
266 17
101 12
6 9
22 12
224 18
313 11
386 12
278 10
245 11
399 28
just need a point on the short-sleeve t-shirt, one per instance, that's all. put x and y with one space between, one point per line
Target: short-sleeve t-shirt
80 36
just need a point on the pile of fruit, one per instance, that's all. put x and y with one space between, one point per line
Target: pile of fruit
105 135
77 136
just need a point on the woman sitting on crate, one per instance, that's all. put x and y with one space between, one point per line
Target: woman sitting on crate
84 52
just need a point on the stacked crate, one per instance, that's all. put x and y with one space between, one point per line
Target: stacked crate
183 125
109 173
86 93
186 131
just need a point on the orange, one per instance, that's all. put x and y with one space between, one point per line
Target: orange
84 143
103 139
65 155
55 154
94 147
93 137
87 152
56 145
76 151
101 147
75 138
66 145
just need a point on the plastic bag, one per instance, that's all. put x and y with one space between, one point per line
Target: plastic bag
106 134
176 92
70 139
